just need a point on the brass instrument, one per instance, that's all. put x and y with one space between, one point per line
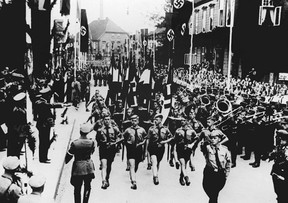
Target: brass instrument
223 105
205 99
228 117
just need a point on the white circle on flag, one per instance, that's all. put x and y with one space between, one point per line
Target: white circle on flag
170 35
144 43
178 4
83 31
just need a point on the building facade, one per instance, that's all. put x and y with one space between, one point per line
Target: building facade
258 36
106 37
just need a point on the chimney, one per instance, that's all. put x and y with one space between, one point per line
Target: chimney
101 10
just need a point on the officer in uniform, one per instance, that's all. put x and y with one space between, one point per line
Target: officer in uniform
37 184
83 166
279 170
10 187
158 136
18 128
216 171
108 138
185 140
134 138
45 120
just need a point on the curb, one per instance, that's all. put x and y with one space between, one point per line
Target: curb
63 163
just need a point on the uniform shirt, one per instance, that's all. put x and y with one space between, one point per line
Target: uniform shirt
103 138
129 135
44 113
14 190
180 135
82 150
223 154
153 135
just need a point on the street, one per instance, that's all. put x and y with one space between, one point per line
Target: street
244 184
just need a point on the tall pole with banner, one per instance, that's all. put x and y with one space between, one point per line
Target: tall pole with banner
232 5
191 46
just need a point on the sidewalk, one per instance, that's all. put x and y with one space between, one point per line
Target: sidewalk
66 133
57 151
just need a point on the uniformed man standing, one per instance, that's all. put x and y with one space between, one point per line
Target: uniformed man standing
134 137
216 171
83 166
108 138
158 136
45 120
279 171
18 128
10 187
185 140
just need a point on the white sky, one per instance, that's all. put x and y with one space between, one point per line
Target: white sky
116 10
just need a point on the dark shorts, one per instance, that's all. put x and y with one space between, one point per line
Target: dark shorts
134 153
107 153
183 153
157 151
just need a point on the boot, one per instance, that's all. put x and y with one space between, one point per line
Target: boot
155 180
134 186
104 185
187 180
181 180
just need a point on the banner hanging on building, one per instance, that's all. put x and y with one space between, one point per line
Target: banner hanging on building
84 33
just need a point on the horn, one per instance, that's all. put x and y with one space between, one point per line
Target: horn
205 100
223 105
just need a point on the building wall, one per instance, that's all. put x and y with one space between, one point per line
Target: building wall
253 46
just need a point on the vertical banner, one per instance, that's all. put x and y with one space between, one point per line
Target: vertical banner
84 32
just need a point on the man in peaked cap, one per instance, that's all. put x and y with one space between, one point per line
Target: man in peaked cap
83 166
45 120
37 184
10 189
17 125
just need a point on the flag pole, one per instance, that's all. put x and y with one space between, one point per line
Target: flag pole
191 42
230 45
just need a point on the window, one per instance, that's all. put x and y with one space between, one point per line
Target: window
221 13
268 3
211 16
204 17
277 15
196 22
269 16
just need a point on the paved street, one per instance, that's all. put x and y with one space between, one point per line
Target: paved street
245 184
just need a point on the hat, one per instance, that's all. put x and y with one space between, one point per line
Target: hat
37 181
85 128
134 116
19 96
283 134
158 115
285 112
11 163
215 133
45 90
284 120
